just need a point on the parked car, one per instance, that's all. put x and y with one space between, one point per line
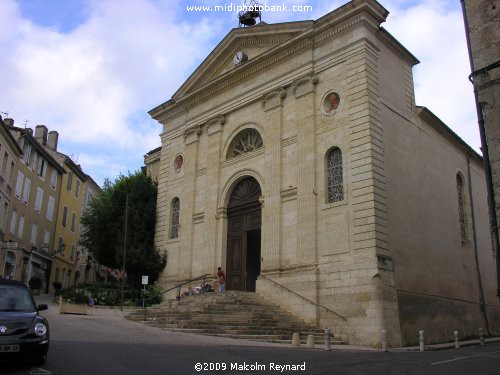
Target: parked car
24 333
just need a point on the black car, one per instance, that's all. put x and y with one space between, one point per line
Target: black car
24 334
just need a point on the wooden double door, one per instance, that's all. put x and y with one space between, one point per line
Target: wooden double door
244 236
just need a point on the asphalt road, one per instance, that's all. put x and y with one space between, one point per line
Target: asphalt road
106 343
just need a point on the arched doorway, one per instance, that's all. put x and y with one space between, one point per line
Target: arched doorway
243 242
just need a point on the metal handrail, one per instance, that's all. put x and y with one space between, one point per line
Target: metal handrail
186 282
179 285
304 298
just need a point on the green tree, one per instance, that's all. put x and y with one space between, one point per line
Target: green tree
104 227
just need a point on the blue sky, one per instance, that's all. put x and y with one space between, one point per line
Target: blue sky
92 69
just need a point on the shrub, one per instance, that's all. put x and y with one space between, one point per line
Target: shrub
107 294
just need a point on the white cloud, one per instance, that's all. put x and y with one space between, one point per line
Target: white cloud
434 32
91 83
95 84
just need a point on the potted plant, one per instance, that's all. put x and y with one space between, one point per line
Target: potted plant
35 285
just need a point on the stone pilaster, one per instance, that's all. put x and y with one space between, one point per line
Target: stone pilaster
271 211
370 235
162 208
304 93
212 240
187 208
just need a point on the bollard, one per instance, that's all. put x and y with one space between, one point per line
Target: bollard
384 340
328 345
481 337
457 344
421 339
310 341
295 339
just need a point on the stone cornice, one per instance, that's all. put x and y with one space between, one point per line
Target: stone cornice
304 40
273 99
192 134
215 124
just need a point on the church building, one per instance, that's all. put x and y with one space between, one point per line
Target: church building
296 158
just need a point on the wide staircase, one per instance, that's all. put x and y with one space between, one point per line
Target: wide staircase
234 314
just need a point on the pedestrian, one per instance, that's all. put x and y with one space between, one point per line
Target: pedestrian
221 277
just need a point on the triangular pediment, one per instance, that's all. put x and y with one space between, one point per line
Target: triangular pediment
253 41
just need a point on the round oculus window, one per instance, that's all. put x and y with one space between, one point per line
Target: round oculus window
331 103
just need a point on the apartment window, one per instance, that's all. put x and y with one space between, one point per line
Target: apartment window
53 179
26 191
46 236
77 188
13 222
4 215
38 199
20 228
42 168
64 216
56 277
32 161
73 222
26 153
50 208
60 246
4 163
34 233
69 181
72 256
19 184
11 173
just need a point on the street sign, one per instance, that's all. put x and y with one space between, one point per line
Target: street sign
145 280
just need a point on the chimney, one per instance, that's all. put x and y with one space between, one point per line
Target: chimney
8 121
52 140
41 134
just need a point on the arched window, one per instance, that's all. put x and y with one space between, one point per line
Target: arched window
461 207
174 226
247 140
335 178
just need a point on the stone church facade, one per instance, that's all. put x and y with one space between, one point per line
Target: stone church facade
296 158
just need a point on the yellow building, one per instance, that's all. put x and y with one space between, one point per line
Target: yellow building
11 255
66 255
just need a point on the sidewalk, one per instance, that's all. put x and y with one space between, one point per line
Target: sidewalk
115 316
447 345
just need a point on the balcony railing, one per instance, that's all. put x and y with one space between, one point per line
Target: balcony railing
43 250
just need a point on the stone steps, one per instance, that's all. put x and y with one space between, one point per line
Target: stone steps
240 315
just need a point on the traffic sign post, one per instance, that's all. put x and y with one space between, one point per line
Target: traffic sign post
145 281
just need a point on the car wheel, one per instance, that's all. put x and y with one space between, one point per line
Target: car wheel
40 360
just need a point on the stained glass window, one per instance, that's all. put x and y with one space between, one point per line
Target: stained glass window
461 208
174 231
335 176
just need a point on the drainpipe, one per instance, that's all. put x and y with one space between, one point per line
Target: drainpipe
486 159
482 304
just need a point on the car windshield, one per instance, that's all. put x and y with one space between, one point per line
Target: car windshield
15 298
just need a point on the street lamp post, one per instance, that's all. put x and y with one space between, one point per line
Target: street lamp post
124 250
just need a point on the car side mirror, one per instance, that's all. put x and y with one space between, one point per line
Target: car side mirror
42 307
